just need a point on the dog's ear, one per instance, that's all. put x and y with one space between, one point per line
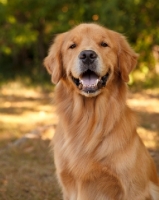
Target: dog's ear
127 58
53 62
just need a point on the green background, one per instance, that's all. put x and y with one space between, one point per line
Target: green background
27 28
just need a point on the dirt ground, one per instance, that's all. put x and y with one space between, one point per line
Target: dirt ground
27 124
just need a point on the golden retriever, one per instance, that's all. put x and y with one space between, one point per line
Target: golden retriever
98 154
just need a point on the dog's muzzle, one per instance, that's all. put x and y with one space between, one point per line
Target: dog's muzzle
89 81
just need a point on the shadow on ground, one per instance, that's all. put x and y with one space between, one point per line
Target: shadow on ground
27 172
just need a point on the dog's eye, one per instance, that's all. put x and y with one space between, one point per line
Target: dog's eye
72 46
104 44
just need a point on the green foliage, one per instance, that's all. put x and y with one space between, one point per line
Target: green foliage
27 28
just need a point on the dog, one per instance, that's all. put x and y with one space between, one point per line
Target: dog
97 151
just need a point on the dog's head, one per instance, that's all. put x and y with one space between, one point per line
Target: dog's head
89 57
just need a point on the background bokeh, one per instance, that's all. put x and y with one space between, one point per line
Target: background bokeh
28 27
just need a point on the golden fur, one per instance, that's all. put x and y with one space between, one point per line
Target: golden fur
98 154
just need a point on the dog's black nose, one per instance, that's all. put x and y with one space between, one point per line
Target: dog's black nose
88 56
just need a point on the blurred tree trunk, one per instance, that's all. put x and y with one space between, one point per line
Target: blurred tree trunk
41 45
156 57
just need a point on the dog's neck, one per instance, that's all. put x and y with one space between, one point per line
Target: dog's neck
101 114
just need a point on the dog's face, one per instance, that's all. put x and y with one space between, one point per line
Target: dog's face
89 57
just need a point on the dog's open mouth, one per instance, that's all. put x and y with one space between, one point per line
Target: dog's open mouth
90 82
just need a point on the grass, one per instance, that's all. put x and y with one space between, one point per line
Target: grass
27 170
23 109
145 104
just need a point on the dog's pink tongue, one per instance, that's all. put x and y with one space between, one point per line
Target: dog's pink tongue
89 79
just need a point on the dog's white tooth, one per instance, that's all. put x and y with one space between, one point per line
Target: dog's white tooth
97 81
